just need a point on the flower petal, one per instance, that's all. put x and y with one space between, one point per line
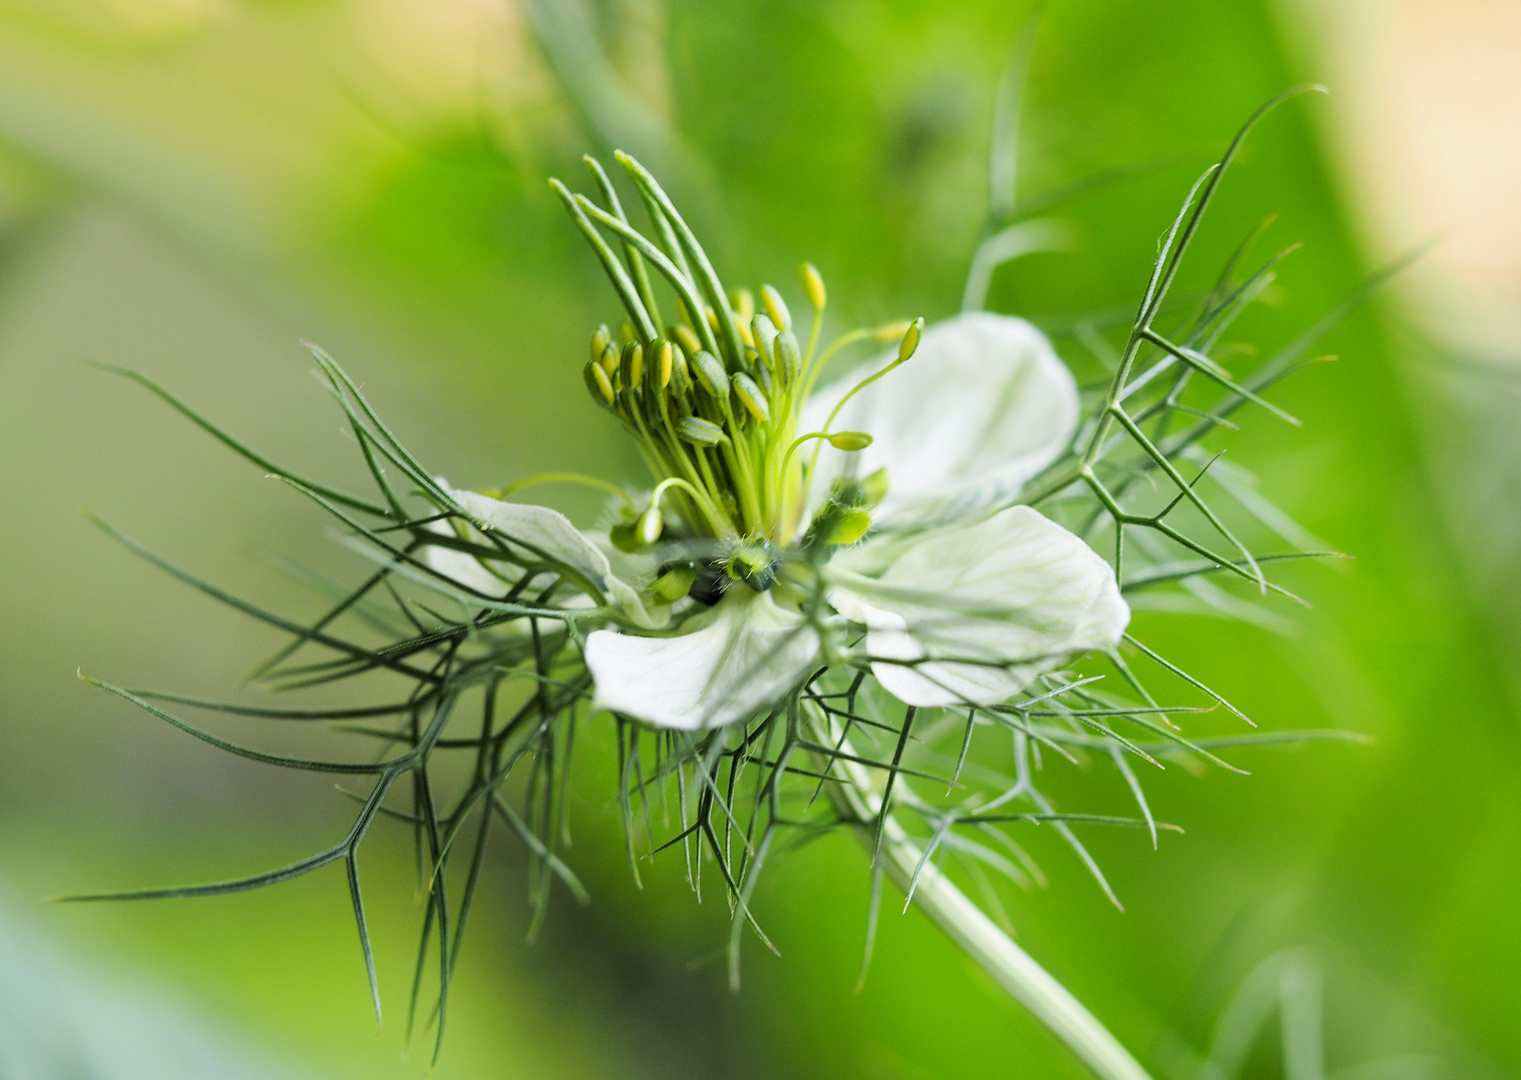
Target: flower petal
731 663
538 533
976 612
984 405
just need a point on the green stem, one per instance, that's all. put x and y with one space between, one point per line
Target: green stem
979 937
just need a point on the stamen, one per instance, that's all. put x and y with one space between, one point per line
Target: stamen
750 396
650 525
776 307
850 440
813 286
711 374
664 361
561 478
674 583
632 367
700 432
597 382
686 337
601 339
763 334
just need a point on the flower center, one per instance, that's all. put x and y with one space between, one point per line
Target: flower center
714 406
714 424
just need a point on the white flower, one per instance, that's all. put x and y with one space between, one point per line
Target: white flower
961 603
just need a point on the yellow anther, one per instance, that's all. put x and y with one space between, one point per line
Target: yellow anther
850 440
711 374
650 525
742 302
699 432
763 337
675 583
776 307
911 338
892 331
664 359
788 360
750 396
600 340
686 337
813 285
632 367
626 332
609 360
598 383
679 370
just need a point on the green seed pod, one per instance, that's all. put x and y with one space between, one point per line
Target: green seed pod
750 396
699 432
846 491
674 583
601 339
911 338
763 331
650 525
789 360
753 563
596 382
776 307
632 366
850 440
847 527
710 372
813 285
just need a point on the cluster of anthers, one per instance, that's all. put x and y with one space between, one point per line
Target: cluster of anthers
720 436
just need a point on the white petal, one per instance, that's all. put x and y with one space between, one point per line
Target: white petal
732 662
538 532
468 571
984 405
1015 595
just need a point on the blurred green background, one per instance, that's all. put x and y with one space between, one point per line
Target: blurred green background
191 187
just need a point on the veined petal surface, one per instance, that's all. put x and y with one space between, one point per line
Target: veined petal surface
983 406
969 615
726 666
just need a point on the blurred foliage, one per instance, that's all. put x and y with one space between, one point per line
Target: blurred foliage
188 186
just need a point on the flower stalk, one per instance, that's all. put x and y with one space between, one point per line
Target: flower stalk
860 801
